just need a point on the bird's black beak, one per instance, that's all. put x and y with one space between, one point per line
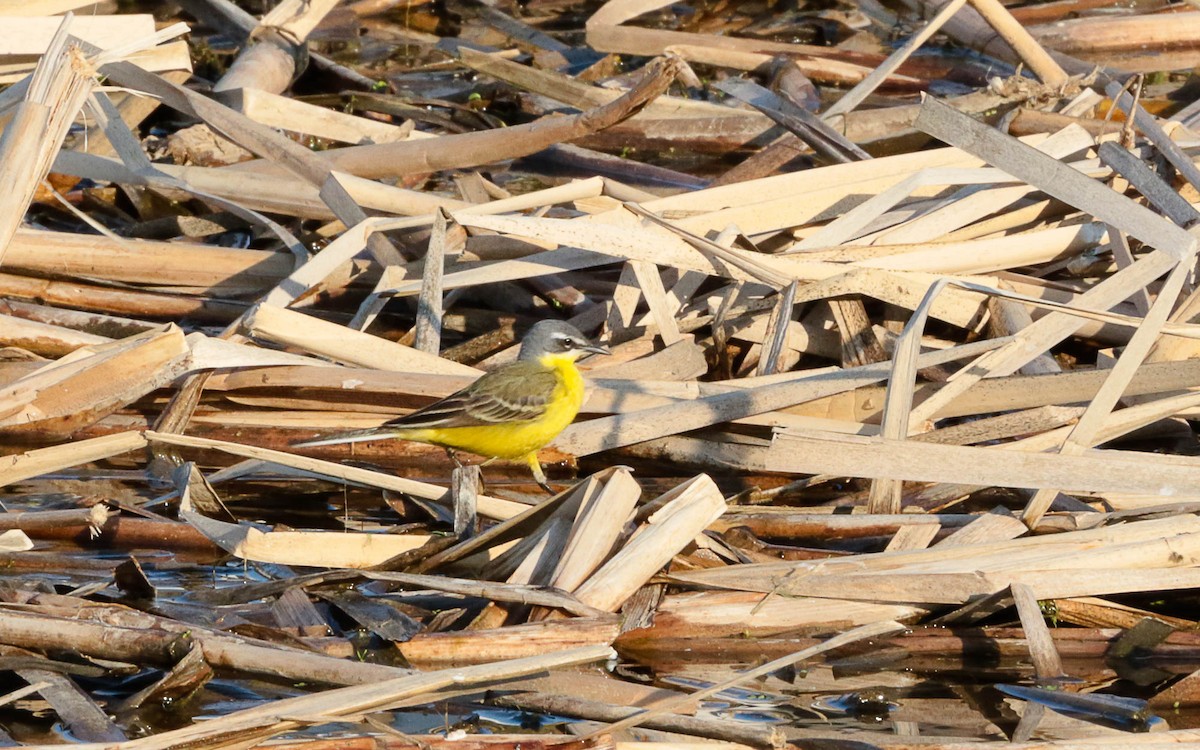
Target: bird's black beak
595 349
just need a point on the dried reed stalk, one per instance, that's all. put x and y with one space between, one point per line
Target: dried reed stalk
60 84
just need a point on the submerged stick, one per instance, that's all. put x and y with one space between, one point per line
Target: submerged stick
874 630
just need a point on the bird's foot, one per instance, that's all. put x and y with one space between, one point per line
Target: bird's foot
539 476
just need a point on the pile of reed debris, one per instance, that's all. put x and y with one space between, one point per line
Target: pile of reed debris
899 378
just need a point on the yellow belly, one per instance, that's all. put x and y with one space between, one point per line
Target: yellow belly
517 439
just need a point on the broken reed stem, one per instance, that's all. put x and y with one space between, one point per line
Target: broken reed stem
1038 60
60 85
42 460
863 89
885 493
267 720
428 337
873 630
1099 410
275 52
1046 662
465 150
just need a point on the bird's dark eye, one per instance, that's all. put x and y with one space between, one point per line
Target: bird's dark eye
567 344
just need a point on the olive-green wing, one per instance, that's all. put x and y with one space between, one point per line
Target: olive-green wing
518 392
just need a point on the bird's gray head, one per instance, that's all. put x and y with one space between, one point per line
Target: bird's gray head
554 338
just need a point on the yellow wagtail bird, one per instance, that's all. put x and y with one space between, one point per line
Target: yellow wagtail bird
510 412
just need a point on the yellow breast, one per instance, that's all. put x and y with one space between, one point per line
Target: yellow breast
517 440
568 396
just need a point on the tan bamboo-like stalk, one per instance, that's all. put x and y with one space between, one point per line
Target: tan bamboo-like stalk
61 83
691 508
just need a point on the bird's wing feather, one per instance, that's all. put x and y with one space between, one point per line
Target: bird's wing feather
519 392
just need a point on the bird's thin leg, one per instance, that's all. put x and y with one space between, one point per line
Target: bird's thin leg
538 475
458 466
